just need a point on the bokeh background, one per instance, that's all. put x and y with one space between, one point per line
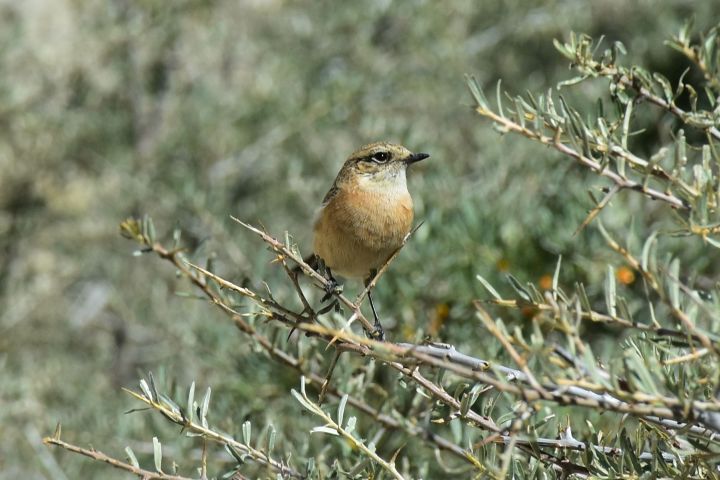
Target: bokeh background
192 111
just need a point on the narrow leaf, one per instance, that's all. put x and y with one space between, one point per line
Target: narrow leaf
522 291
556 277
205 406
489 287
131 457
341 409
157 454
610 291
247 432
190 403
328 430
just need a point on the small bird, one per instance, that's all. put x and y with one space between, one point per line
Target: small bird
366 214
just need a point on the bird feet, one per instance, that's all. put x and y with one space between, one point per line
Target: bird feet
332 287
378 333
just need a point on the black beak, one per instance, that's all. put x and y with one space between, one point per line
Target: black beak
416 157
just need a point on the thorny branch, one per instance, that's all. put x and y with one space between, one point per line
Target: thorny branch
563 395
669 412
186 268
654 283
556 143
175 415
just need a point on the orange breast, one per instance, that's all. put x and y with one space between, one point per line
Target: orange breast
357 231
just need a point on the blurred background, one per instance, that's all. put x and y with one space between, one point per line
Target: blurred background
191 111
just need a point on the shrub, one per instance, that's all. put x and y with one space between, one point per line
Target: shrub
615 376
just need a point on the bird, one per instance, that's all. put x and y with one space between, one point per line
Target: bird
365 216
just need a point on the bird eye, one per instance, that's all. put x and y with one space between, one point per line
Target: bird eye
381 157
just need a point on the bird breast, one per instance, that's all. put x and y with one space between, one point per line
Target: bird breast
359 228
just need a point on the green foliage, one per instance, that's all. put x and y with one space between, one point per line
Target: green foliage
192 111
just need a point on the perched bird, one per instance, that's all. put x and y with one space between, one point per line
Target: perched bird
366 214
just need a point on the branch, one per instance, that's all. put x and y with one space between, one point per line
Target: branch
284 358
595 166
406 358
323 282
335 428
101 457
564 395
653 282
172 413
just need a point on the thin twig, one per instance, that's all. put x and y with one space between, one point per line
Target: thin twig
210 434
285 358
555 142
101 457
280 248
385 265
597 208
331 425
326 382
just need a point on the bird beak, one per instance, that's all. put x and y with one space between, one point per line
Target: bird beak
416 157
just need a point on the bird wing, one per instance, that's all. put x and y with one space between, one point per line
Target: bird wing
330 194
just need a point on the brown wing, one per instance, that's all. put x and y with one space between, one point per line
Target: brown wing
330 194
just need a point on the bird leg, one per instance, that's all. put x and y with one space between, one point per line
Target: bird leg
378 333
332 286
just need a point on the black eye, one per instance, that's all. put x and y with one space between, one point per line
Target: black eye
381 157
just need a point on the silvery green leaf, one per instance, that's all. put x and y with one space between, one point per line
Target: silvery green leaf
302 400
247 431
350 427
205 406
146 389
341 409
271 439
524 294
556 277
191 403
157 454
498 95
645 262
476 91
489 287
131 457
610 293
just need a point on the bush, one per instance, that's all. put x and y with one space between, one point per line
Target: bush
606 366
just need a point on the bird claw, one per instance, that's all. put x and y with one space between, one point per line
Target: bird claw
332 287
378 333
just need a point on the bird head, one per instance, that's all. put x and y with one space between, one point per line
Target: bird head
381 164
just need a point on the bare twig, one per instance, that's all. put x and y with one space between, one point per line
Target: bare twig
323 282
385 265
597 208
326 382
